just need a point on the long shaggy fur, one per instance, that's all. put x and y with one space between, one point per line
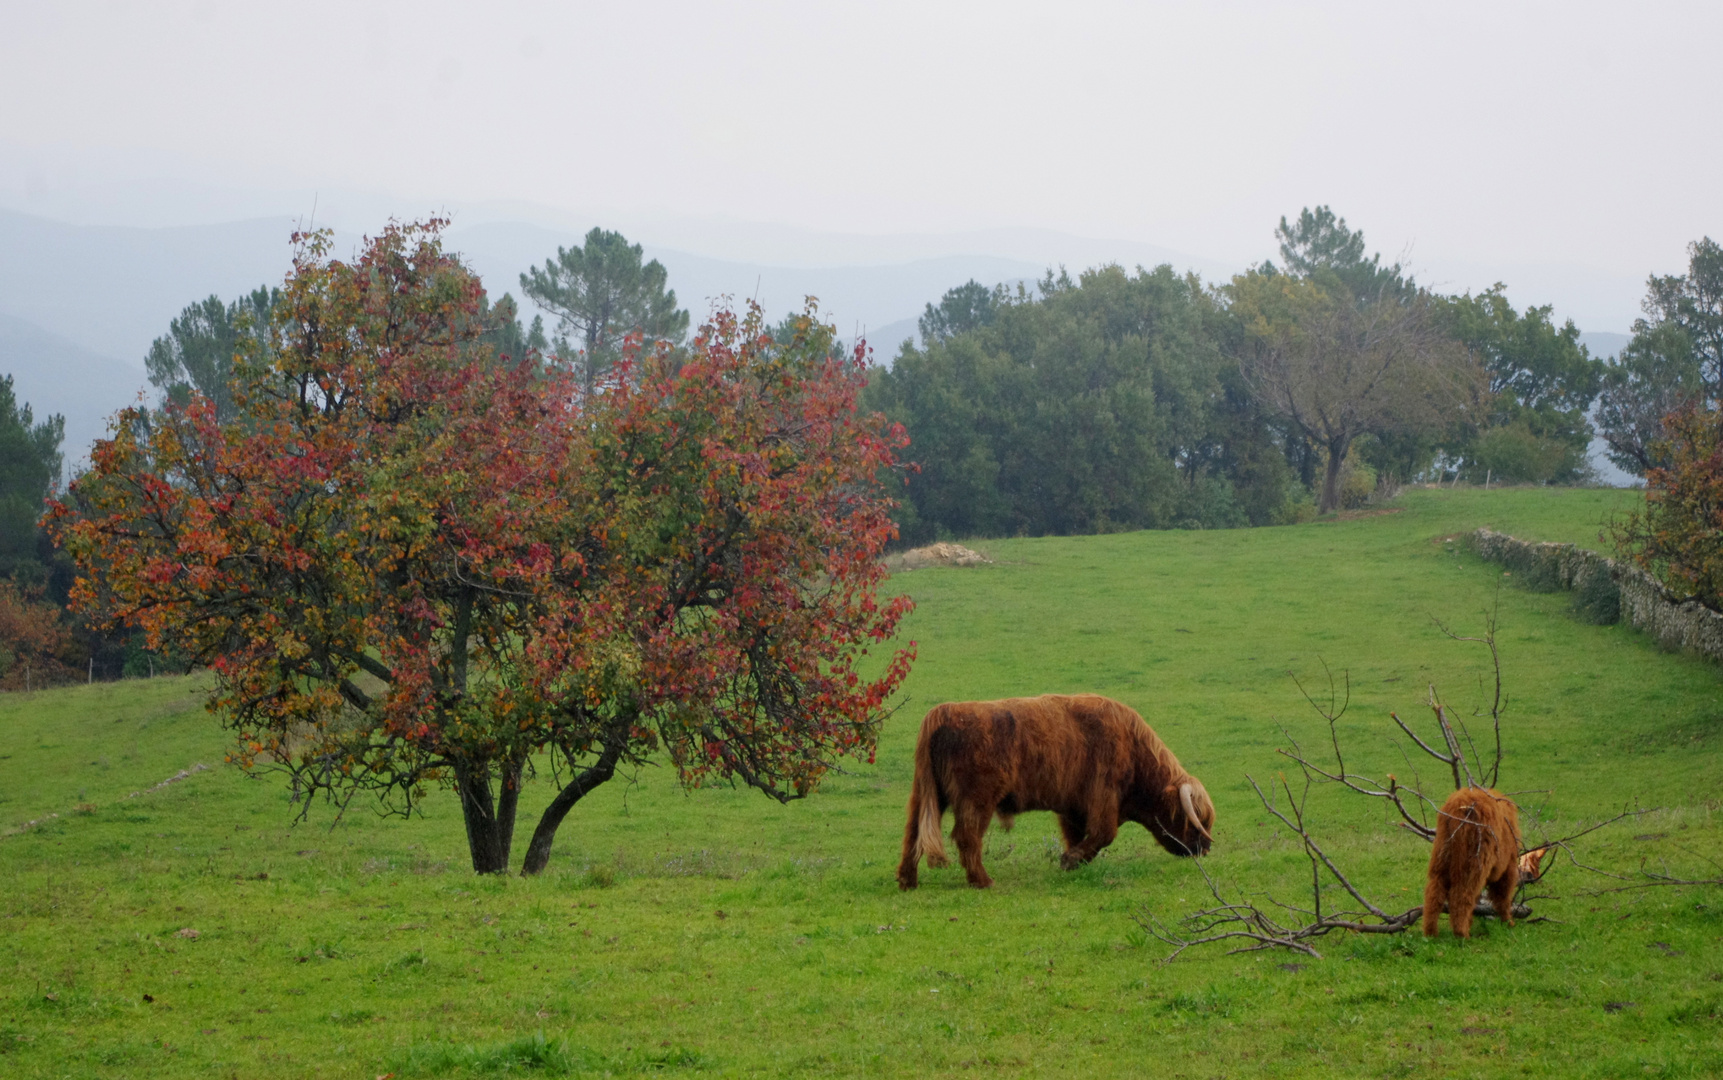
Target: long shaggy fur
1477 844
1092 761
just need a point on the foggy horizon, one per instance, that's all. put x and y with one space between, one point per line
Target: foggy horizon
1566 152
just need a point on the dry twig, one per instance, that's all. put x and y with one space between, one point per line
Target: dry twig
1271 923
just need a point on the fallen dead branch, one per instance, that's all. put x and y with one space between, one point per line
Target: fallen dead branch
1262 921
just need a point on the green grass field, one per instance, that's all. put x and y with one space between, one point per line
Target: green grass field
717 933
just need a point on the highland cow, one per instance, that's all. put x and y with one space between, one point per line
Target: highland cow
1477 844
1092 761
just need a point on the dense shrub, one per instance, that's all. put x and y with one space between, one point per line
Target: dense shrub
1100 404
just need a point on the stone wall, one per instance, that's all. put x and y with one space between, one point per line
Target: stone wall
1606 591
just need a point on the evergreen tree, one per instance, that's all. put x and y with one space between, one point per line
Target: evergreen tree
29 467
197 351
603 292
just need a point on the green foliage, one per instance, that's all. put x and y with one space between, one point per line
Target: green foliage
1543 382
1674 359
1320 246
1692 303
1105 403
36 649
29 468
196 354
1357 483
505 335
604 292
1514 453
966 308
1597 599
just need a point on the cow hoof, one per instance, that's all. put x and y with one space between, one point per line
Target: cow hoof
981 883
906 883
1068 861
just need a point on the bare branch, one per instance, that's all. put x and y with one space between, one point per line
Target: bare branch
1248 921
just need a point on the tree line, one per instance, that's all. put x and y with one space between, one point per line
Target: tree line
1120 400
1113 400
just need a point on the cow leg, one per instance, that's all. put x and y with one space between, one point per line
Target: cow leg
972 819
1435 895
1072 826
1102 828
1461 903
908 866
1502 894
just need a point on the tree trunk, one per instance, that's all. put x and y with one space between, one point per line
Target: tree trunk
1305 459
1331 478
538 851
490 823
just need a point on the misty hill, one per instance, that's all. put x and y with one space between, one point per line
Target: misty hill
113 290
54 375
856 298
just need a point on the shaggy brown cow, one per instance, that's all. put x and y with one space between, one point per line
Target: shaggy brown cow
1092 761
1477 843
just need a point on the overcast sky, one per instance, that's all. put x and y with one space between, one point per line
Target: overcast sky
1478 138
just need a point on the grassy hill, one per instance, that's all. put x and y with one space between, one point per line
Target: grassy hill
717 933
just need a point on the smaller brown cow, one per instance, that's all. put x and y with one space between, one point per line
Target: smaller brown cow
1477 844
1092 761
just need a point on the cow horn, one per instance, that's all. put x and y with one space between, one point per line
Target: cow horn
1188 801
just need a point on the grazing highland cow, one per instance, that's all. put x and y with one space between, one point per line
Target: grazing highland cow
1092 761
1477 843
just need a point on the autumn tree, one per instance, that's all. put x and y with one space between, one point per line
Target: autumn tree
603 292
36 647
1678 535
413 564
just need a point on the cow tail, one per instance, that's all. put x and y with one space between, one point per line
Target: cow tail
924 799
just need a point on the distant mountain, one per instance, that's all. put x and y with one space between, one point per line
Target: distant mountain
54 375
856 298
113 290
888 339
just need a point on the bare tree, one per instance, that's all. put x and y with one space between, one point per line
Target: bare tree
1336 366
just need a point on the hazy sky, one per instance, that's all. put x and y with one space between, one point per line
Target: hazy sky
1475 137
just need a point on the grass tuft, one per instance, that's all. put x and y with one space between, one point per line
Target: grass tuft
539 1055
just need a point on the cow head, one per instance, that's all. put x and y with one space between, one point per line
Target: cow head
1184 820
